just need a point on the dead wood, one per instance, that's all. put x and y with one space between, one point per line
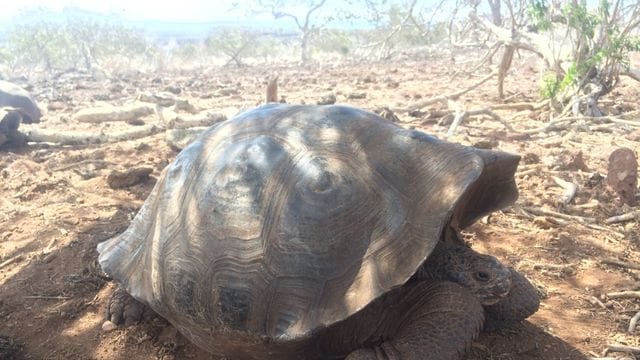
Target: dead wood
462 115
272 90
45 297
563 268
621 348
595 301
624 217
178 139
632 73
97 162
623 295
129 177
634 322
79 138
544 212
447 97
624 264
520 106
114 113
204 118
569 187
11 260
505 64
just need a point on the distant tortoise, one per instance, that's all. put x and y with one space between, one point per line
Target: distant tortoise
306 232
16 107
15 97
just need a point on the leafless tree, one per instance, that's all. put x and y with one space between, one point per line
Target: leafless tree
305 24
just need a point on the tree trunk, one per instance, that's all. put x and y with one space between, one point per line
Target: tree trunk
304 47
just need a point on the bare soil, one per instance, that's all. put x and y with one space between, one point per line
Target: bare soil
56 205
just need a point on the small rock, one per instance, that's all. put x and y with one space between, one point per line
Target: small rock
56 106
329 99
622 175
116 88
225 92
185 105
178 139
594 180
368 79
393 84
356 95
173 89
122 179
109 326
387 114
572 162
486 144
135 122
531 158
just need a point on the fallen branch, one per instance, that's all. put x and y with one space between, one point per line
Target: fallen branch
632 73
543 212
114 113
78 138
204 118
178 139
619 263
624 217
624 295
44 297
563 268
621 348
521 106
634 322
11 261
595 301
98 162
461 115
446 97
569 187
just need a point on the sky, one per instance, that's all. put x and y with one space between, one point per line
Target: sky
136 10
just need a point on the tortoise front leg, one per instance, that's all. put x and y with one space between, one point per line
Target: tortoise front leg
433 321
122 308
523 301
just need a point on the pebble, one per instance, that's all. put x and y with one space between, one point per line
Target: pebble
109 326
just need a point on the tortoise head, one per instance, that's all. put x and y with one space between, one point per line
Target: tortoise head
482 274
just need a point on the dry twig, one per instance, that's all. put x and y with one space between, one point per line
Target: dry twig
11 261
595 301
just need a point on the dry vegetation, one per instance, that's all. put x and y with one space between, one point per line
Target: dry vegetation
565 232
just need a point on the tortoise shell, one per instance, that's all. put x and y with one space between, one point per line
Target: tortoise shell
287 219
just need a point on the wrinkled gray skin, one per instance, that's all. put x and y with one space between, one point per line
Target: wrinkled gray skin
446 304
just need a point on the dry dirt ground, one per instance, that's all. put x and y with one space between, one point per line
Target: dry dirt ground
56 205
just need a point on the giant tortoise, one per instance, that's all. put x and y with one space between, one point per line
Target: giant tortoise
311 232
